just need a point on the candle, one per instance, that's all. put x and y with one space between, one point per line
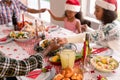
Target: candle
84 51
23 19
36 29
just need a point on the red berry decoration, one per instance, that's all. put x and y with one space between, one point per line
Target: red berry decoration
46 68
100 77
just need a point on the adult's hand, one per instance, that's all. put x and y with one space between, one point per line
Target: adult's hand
36 11
52 46
43 10
61 41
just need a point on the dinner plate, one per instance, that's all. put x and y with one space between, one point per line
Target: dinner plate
95 45
43 76
20 36
102 51
23 40
9 24
53 28
2 36
52 74
6 40
104 63
47 75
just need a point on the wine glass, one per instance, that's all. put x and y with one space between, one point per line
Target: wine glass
85 64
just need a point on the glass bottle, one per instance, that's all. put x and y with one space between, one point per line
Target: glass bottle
86 51
88 45
14 21
43 30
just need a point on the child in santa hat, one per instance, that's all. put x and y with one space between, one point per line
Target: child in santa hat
72 16
108 33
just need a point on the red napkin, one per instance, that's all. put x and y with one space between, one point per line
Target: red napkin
3 39
49 27
34 74
98 50
52 26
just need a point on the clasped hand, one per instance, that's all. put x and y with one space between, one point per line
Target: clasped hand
55 44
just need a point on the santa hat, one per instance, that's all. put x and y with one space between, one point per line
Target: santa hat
107 4
72 5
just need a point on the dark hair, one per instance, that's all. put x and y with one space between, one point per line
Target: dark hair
82 20
108 16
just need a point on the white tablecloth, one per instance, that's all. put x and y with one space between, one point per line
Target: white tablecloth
15 51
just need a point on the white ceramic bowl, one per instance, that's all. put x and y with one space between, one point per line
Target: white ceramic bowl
21 39
104 63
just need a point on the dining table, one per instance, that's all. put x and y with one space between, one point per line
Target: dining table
22 50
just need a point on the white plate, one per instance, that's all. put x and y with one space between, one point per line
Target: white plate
104 63
107 52
42 76
3 36
22 39
47 76
93 45
7 39
53 28
9 24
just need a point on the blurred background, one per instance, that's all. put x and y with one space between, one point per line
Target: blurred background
57 6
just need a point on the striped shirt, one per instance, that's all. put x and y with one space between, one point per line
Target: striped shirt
7 11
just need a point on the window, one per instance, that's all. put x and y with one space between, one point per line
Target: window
38 4
88 10
91 7
31 4
45 4
118 10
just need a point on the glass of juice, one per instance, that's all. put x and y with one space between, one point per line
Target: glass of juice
67 57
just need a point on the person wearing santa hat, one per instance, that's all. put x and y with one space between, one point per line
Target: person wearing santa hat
71 21
108 33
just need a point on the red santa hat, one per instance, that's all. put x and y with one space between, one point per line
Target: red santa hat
107 4
72 5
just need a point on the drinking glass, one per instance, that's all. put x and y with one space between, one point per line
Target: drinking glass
85 64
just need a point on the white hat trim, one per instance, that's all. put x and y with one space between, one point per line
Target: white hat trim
74 8
105 5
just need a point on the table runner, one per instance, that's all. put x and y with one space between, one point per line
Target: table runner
29 45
